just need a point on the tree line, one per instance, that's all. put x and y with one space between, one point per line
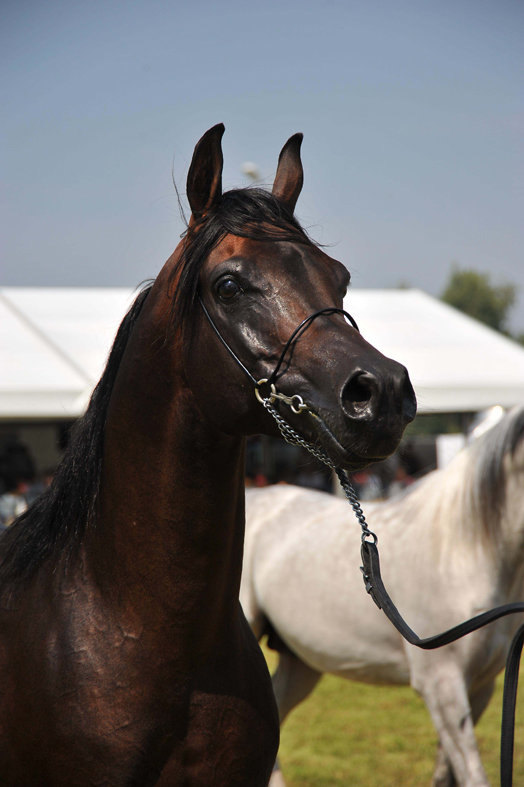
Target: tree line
475 294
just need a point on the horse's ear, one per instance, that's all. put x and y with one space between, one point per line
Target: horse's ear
204 179
290 175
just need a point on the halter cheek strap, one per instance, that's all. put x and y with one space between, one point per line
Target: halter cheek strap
226 345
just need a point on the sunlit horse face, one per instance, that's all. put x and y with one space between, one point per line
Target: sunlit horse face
257 292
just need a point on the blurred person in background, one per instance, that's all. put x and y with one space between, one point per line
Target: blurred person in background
17 474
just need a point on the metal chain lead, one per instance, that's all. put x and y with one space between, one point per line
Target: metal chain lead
292 437
298 406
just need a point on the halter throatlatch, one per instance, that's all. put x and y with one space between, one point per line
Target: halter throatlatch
267 394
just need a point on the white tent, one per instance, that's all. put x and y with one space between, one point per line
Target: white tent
53 346
54 343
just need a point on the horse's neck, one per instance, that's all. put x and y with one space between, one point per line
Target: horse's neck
171 527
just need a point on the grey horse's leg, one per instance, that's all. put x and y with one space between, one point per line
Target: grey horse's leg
440 680
293 681
443 775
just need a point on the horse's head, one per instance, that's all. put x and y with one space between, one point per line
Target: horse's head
254 277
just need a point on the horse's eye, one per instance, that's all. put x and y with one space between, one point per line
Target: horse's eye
227 288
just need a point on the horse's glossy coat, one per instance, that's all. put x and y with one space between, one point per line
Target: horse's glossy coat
451 547
125 658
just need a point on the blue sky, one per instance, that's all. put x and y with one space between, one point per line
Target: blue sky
412 113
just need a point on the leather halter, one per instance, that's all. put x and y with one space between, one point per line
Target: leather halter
370 556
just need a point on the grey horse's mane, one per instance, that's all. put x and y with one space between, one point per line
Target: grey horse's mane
486 486
466 499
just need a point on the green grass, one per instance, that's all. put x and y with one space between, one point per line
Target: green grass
374 736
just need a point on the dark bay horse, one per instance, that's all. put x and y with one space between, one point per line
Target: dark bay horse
125 658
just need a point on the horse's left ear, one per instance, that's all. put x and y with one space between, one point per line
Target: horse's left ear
204 179
290 175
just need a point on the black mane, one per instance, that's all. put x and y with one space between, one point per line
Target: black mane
58 519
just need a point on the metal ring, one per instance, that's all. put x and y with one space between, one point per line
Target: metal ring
298 408
269 398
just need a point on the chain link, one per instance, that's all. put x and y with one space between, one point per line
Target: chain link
292 437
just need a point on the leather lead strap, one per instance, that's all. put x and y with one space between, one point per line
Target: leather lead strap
375 587
509 701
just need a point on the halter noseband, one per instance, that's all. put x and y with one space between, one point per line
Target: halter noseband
295 402
302 328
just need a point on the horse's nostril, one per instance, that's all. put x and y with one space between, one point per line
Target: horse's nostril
359 391
358 394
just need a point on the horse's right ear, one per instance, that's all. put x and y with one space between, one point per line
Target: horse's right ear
290 175
204 179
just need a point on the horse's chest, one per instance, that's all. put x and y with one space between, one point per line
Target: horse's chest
228 742
119 710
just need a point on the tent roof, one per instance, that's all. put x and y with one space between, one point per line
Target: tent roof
54 343
53 346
